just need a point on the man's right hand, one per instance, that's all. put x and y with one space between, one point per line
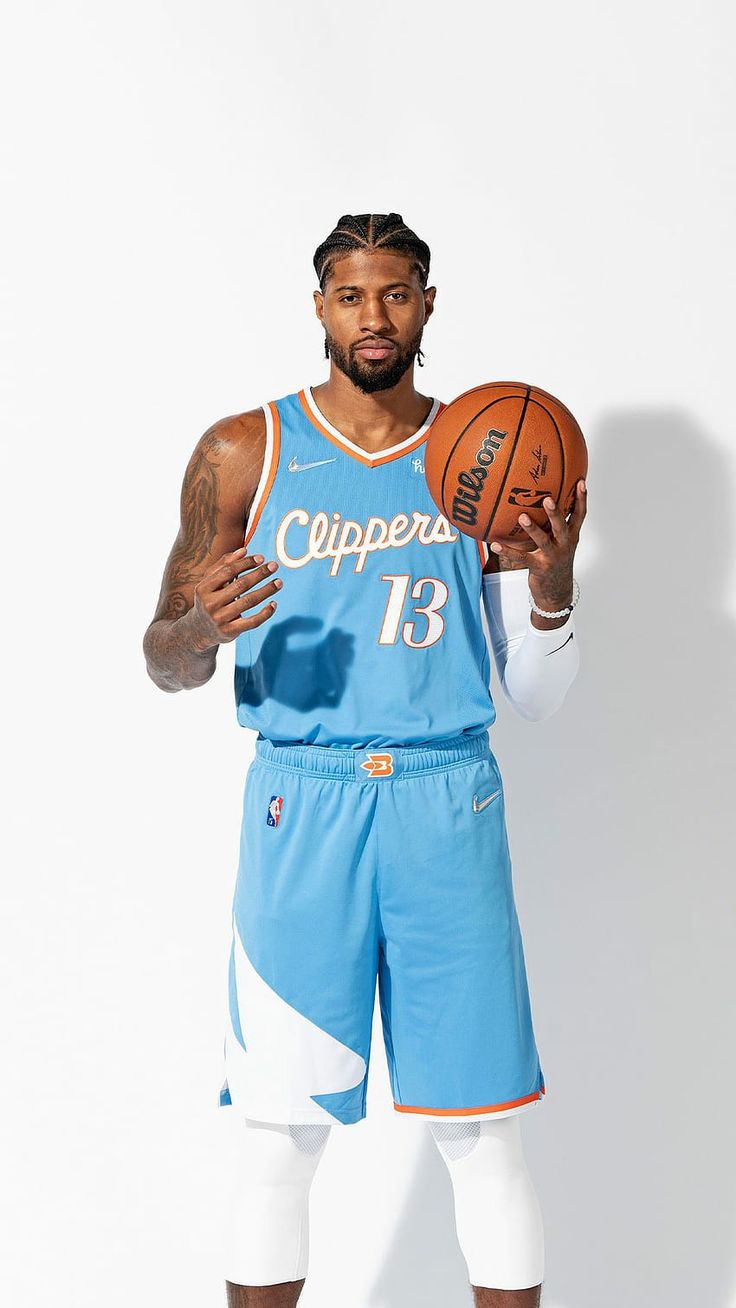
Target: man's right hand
222 595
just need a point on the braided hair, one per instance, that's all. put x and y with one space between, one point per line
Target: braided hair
371 231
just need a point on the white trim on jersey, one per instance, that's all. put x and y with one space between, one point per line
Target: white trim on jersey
265 470
358 449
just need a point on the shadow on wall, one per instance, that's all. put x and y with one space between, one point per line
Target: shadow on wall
620 813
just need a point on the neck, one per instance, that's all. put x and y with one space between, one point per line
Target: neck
378 417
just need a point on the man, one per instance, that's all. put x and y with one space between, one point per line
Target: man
373 840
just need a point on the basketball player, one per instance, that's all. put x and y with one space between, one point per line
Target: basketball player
373 838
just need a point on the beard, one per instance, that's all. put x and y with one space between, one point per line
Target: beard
370 375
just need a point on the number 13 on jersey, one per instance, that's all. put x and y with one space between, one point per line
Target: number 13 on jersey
435 624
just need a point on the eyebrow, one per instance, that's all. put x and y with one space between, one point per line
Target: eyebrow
359 288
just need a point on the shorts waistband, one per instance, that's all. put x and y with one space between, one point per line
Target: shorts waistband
376 764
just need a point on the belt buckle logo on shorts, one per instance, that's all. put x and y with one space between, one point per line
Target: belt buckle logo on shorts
379 764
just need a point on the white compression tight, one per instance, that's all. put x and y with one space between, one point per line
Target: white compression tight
272 1166
266 1221
497 1213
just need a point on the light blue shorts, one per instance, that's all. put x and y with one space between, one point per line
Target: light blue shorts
389 864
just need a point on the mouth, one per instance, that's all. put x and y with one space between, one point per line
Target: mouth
380 350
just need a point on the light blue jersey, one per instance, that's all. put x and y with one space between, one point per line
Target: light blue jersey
377 639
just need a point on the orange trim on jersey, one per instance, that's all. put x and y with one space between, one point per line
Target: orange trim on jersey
462 1112
374 462
272 470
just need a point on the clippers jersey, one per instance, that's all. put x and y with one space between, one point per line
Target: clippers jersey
377 638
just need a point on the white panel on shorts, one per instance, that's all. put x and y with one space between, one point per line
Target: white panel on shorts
287 1058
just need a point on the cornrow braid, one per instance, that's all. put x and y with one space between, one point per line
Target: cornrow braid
371 231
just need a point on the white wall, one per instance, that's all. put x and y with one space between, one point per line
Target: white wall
168 170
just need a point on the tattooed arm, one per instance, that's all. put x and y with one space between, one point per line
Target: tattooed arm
220 481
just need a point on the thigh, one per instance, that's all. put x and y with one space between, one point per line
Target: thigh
304 952
455 999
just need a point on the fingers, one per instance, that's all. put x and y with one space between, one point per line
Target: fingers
537 533
247 578
576 515
228 566
255 620
580 507
557 524
241 603
561 528
508 554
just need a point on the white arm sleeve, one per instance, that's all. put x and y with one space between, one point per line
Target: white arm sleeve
536 668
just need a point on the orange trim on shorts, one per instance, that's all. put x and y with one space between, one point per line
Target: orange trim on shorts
461 1112
341 445
272 470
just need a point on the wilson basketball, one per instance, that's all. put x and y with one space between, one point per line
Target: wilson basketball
499 450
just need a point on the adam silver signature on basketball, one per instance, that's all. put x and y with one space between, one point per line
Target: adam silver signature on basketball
347 539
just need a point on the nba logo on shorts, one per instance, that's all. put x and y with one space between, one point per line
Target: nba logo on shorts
274 810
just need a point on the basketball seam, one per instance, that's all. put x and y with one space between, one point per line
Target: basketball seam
560 441
508 462
522 386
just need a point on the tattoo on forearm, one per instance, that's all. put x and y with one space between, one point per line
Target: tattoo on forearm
176 605
170 664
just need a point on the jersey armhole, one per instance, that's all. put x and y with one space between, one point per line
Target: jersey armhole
268 471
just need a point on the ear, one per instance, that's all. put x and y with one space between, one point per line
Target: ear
429 295
319 305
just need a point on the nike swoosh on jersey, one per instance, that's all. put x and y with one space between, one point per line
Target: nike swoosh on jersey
293 466
478 807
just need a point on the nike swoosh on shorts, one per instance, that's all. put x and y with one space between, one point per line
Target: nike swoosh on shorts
477 807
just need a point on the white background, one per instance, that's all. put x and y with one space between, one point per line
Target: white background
168 170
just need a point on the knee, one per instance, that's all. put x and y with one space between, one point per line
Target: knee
497 1213
279 1154
493 1149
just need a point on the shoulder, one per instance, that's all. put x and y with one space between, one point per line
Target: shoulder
238 433
226 463
233 447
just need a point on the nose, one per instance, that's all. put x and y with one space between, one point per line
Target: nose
375 316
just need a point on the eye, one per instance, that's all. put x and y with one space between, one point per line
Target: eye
400 295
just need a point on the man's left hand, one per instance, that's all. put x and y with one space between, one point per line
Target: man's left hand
550 563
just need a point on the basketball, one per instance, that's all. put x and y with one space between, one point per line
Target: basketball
499 450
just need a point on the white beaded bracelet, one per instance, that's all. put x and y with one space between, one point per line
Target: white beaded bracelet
560 612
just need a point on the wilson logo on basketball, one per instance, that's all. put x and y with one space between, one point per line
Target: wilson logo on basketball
470 484
379 765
